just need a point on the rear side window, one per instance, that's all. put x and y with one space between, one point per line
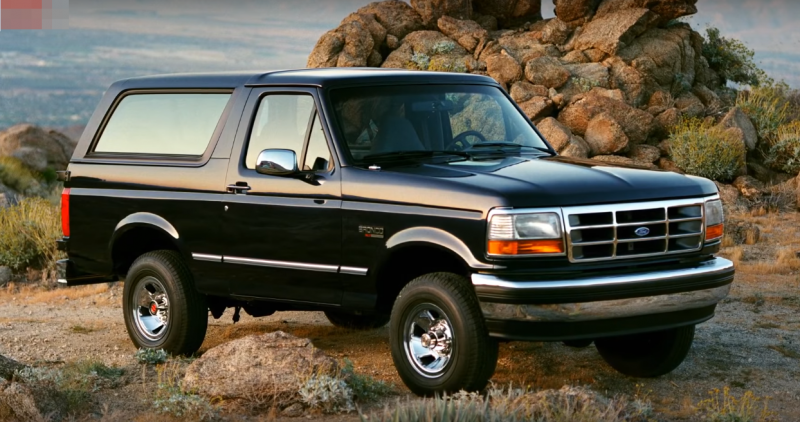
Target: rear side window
163 124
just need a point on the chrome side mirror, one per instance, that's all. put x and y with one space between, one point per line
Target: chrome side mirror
277 162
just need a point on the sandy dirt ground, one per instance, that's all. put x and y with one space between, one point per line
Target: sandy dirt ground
752 344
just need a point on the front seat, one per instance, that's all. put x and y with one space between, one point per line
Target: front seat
396 134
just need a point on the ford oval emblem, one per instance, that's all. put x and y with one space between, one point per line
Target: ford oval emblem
642 231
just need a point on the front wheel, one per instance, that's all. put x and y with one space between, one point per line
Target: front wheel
161 306
647 355
438 337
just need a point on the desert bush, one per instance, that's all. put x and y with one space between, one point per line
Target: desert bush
784 149
172 399
731 59
702 149
17 176
73 383
723 406
569 404
28 234
767 106
151 356
327 394
443 47
365 388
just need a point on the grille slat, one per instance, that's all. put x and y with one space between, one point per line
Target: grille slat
608 232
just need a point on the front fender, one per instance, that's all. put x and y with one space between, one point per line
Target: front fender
440 238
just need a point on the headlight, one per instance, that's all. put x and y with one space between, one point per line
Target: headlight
525 234
714 220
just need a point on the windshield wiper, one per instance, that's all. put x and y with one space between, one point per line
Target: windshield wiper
404 155
501 145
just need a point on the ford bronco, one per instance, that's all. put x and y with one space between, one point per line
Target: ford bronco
427 201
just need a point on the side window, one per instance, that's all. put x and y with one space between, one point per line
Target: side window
281 123
168 124
318 156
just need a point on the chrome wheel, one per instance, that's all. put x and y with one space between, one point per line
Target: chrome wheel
150 308
429 339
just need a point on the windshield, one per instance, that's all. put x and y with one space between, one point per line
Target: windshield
384 121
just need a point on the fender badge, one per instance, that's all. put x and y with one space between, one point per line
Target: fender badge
642 231
371 231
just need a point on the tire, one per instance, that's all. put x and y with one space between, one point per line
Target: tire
162 309
647 355
578 344
356 322
462 356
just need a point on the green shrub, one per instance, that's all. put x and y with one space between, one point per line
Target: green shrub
784 149
327 394
443 47
364 387
151 356
28 234
731 59
704 150
17 176
767 106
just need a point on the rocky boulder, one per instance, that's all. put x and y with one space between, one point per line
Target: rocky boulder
575 11
467 33
523 91
644 153
396 16
503 68
666 10
562 139
615 31
510 12
431 10
37 148
546 71
737 119
749 186
605 136
24 403
349 45
636 124
277 363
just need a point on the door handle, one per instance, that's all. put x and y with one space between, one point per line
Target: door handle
239 187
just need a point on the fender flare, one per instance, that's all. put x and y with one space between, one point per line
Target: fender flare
148 220
438 237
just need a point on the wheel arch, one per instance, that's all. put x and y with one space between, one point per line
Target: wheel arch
140 233
416 251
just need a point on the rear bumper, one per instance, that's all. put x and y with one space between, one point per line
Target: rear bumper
594 307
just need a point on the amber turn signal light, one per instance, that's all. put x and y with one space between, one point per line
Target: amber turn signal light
525 247
714 232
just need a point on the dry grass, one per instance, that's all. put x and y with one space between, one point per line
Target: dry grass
30 294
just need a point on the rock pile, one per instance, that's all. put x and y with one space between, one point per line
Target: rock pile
604 79
34 150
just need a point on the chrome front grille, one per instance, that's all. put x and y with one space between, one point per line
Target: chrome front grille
621 231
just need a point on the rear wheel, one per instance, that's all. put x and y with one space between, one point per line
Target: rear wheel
647 355
356 322
438 337
161 307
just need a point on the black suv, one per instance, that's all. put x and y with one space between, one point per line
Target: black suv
425 200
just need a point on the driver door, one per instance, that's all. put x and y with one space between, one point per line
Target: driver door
284 231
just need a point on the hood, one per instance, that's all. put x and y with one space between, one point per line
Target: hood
525 182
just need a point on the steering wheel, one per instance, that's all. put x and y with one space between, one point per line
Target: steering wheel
459 142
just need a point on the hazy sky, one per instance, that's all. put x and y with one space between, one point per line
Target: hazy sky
282 33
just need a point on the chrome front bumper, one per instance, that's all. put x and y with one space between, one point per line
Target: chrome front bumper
604 297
